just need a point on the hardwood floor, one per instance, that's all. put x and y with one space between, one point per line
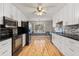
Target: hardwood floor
40 46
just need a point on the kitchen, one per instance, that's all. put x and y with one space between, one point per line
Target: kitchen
19 23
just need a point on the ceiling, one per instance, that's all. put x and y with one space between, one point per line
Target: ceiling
29 8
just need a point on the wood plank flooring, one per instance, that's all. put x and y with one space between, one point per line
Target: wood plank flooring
40 46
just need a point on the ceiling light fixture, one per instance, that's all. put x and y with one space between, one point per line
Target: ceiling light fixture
40 11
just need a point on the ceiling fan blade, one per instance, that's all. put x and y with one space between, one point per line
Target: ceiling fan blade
44 12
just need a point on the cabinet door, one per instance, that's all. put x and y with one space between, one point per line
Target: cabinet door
73 45
13 13
1 13
70 14
1 9
76 20
6 47
7 10
62 43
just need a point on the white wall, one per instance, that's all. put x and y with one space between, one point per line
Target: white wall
69 15
9 10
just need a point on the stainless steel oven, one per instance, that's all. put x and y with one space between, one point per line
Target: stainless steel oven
17 45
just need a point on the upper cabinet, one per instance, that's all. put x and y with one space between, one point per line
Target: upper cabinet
1 9
11 11
69 14
76 18
7 10
1 13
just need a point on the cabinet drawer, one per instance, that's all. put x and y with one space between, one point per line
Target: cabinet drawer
6 54
5 44
66 51
5 50
5 47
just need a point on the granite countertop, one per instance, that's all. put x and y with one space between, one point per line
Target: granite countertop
72 36
4 38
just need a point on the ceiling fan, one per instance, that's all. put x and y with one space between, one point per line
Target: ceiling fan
40 10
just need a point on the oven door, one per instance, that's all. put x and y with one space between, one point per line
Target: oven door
17 44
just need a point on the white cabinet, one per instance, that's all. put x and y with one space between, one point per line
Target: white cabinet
69 14
73 14
1 13
6 47
14 13
7 10
11 11
1 9
67 46
76 19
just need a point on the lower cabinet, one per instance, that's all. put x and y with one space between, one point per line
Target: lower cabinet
6 47
67 46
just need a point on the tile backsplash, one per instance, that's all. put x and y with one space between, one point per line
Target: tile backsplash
72 29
